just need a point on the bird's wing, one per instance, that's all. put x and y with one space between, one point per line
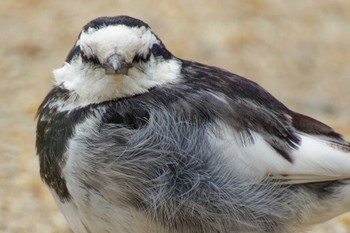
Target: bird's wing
266 137
322 155
312 157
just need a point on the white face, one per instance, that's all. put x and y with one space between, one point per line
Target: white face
127 42
91 82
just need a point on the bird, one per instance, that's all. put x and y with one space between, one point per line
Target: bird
133 139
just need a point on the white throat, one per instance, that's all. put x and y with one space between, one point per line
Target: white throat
94 86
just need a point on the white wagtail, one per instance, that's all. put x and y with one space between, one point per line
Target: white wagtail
132 139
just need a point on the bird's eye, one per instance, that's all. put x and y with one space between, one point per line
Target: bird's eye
84 57
91 59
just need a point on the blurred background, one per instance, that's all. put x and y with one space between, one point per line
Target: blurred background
298 50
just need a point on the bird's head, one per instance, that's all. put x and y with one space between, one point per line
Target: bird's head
116 57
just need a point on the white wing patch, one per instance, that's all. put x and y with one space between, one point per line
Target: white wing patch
318 160
314 160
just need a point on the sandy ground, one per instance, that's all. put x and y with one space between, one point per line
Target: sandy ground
298 50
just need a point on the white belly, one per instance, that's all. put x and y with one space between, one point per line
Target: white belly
97 216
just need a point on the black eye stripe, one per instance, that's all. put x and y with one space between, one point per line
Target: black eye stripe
93 59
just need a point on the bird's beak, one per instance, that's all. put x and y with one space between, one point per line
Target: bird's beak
116 65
